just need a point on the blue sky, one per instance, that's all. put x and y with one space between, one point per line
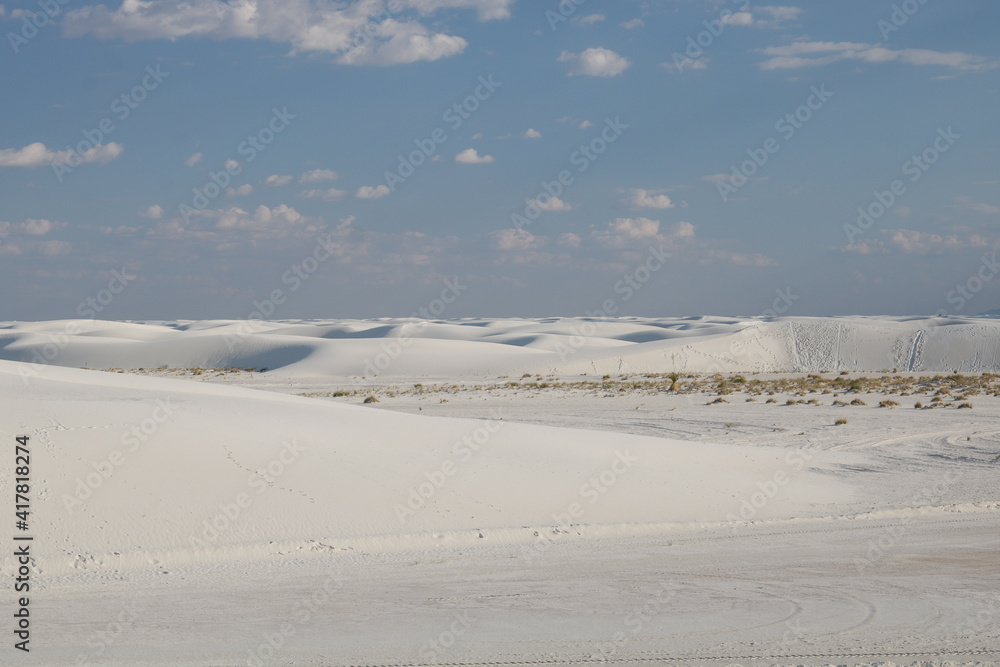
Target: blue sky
745 158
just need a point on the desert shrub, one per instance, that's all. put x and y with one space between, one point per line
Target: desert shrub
839 402
770 400
888 403
718 400
340 392
858 401
371 399
965 405
918 405
840 422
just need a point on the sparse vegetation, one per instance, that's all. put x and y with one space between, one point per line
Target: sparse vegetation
840 422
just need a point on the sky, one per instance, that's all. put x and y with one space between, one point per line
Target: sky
198 159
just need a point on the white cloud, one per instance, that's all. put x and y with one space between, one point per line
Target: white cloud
515 239
328 194
477 135
318 176
241 191
569 240
595 62
584 125
231 164
912 242
30 227
154 212
487 10
639 198
37 155
532 133
470 156
369 192
715 178
320 25
812 54
589 19
193 159
220 224
700 63
552 204
277 180
738 18
625 231
632 24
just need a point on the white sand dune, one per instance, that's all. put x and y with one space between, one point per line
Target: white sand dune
137 469
535 528
412 348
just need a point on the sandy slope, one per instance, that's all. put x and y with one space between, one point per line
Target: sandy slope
135 470
200 523
490 347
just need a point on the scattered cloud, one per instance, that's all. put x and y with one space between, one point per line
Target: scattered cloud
569 240
552 204
595 62
37 155
639 198
515 239
470 156
584 125
369 192
589 19
193 159
318 176
632 24
532 133
912 242
398 38
154 212
276 180
30 227
328 194
241 191
812 54
770 16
